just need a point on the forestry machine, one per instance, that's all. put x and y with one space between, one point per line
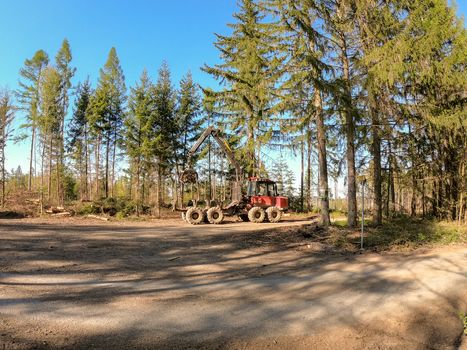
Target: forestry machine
259 202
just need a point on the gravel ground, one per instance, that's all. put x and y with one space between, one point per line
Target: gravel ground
81 284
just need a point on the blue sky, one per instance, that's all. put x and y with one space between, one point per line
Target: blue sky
144 33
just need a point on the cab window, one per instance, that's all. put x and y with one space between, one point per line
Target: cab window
262 189
251 188
271 189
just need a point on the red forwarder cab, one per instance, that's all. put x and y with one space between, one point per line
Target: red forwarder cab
263 193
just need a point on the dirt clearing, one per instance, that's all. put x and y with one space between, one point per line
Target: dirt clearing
166 284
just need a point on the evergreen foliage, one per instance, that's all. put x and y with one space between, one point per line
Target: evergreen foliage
375 88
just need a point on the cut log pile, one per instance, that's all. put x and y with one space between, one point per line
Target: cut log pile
58 211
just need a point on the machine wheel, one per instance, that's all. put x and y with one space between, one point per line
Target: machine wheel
194 216
183 216
274 214
244 217
215 215
256 214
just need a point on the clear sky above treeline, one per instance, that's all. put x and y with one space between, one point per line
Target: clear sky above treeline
144 33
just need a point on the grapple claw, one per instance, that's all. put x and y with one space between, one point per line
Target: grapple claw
189 176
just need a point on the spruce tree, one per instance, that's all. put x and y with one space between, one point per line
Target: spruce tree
78 136
164 144
139 134
107 115
188 114
339 23
250 74
427 80
306 69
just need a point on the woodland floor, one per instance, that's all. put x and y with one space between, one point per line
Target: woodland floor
82 284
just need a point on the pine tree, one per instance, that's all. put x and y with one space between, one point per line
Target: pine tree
7 115
62 64
28 98
49 126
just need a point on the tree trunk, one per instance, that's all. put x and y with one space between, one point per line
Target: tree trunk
106 175
350 152
323 166
98 146
423 198
49 189
302 174
376 153
413 203
2 159
209 184
57 184
86 165
138 190
42 177
460 215
309 180
159 191
58 169
391 190
114 157
33 140
250 152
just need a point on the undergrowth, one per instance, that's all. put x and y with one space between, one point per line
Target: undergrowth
402 232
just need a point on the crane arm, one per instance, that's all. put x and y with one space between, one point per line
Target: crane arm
190 175
216 134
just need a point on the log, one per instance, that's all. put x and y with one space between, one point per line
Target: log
33 200
103 218
63 214
55 210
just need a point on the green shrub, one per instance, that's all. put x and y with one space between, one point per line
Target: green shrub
89 208
463 317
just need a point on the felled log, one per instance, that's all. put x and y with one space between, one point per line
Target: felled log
33 200
62 214
54 210
103 218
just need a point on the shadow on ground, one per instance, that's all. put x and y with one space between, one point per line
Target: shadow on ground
214 288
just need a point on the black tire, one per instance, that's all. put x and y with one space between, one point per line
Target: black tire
244 217
215 215
194 216
274 214
256 214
